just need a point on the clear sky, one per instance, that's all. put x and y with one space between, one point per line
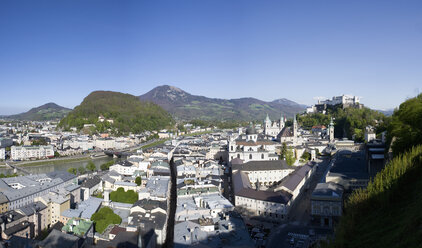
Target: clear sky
60 51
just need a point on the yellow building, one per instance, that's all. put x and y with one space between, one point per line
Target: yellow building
4 203
56 205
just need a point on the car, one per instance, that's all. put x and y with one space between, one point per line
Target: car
292 241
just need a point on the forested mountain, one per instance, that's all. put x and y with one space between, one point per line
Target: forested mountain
48 111
127 112
185 106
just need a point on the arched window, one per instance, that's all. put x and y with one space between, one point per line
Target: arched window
238 155
262 156
250 156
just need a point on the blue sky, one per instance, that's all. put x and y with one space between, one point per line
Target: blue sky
60 51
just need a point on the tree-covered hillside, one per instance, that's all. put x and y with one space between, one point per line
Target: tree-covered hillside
128 113
348 122
406 125
388 212
46 112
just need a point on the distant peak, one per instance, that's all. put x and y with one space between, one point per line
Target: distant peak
170 87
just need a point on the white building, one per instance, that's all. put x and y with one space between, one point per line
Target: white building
264 172
105 143
2 153
370 134
331 130
327 203
125 168
250 148
23 190
28 152
273 128
343 99
295 182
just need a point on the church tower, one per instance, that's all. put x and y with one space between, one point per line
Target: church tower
267 122
282 122
294 126
331 130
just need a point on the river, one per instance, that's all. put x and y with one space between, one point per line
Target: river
61 166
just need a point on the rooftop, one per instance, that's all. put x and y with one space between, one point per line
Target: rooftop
263 165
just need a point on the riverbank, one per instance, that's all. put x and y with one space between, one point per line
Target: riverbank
56 161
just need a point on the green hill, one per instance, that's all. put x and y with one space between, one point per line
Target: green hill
388 213
349 122
48 111
127 112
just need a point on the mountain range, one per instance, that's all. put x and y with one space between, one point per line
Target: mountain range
184 106
48 111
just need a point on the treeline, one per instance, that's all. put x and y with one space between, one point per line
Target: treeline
219 124
349 122
127 112
387 213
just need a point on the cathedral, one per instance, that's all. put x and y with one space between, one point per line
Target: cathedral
272 129
250 147
290 134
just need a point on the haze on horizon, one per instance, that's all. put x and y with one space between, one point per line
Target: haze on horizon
59 52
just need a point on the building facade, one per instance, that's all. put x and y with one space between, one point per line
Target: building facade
327 203
31 152
273 128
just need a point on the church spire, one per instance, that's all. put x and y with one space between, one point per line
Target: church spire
267 119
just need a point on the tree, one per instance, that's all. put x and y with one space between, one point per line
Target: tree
290 159
406 125
138 181
72 170
107 165
91 166
306 156
103 218
81 170
283 151
56 154
120 195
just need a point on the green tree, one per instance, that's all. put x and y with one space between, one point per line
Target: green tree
120 195
72 170
107 165
56 154
91 166
406 125
290 159
283 151
138 181
81 170
103 218
306 156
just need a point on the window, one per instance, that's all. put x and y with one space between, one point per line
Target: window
262 156
238 155
250 156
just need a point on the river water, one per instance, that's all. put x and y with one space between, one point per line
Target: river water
57 167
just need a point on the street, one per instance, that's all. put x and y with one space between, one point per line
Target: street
299 220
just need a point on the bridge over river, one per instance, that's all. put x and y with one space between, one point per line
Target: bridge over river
17 168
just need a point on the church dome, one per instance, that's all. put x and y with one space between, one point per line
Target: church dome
250 130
